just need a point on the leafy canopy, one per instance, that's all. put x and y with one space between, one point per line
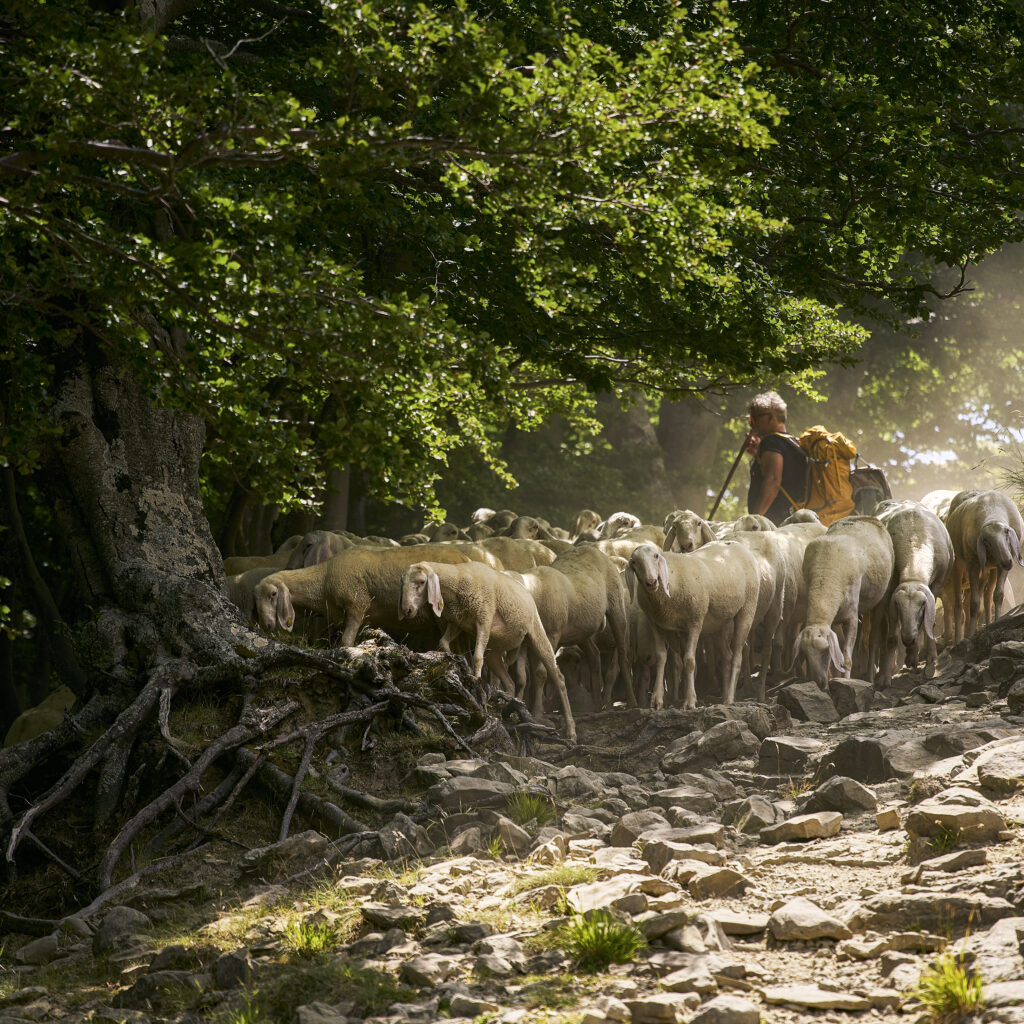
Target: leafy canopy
373 233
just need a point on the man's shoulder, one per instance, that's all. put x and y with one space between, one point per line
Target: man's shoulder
782 443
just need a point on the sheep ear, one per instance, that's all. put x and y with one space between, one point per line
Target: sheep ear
707 535
1014 541
630 573
834 650
929 614
670 539
663 573
434 592
284 609
980 548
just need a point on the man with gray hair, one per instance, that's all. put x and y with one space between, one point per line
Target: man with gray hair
778 472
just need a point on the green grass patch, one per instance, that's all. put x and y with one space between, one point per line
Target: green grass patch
312 938
524 807
949 991
563 875
598 940
946 839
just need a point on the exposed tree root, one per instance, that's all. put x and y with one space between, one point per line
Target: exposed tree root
385 685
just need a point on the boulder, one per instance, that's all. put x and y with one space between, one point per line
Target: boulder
851 696
284 857
820 825
957 810
120 928
840 793
802 919
784 755
727 1009
468 792
807 702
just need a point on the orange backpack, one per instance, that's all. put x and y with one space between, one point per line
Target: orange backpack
828 490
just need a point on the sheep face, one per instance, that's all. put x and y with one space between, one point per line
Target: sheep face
998 545
420 586
686 531
274 608
819 648
649 566
913 610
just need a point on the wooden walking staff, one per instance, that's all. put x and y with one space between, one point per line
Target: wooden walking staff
735 463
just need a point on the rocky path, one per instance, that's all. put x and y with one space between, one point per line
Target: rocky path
800 861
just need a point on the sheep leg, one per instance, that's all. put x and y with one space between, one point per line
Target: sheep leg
483 634
996 596
690 668
977 583
497 666
660 657
849 625
541 647
732 660
620 634
353 620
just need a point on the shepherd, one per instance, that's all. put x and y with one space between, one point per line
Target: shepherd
778 471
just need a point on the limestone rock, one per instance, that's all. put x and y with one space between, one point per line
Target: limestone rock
727 1009
783 755
39 951
690 797
513 837
666 1008
1002 769
807 702
284 857
468 792
802 919
717 881
936 912
630 826
840 793
813 998
319 1013
428 970
121 927
820 825
850 696
956 810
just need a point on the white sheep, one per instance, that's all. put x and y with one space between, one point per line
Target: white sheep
923 557
801 515
794 606
846 573
575 596
317 546
616 524
711 592
586 519
515 554
493 607
358 584
235 564
938 501
624 545
986 529
685 531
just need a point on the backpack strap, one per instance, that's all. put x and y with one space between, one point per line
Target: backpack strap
793 441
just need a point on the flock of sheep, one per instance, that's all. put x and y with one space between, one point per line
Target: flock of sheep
637 607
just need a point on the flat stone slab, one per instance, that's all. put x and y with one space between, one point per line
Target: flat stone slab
738 923
813 998
802 919
717 881
956 810
727 1009
667 1008
820 825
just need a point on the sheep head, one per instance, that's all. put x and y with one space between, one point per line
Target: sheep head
912 609
650 567
420 586
274 608
819 647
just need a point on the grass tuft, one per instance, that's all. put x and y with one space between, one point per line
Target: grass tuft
599 940
948 990
524 807
946 839
564 875
312 938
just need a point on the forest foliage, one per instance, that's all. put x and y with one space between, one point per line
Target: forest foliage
395 237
